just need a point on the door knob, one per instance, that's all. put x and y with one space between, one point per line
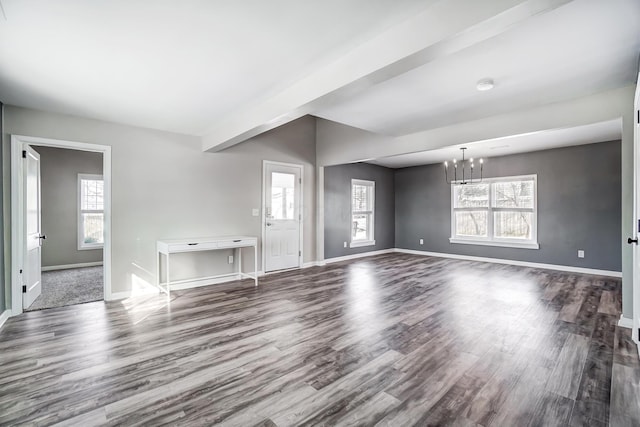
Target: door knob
269 224
630 241
42 236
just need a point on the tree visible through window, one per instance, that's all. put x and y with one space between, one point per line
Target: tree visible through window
90 211
495 211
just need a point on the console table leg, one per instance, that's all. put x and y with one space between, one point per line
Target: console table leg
255 264
168 280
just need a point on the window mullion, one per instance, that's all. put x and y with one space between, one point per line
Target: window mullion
513 209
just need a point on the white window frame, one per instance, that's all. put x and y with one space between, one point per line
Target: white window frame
370 240
82 246
490 240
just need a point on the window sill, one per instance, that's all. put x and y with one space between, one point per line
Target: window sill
518 245
89 248
361 243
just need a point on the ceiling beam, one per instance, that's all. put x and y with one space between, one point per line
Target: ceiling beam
444 28
339 143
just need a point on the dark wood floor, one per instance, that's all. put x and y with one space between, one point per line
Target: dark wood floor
392 340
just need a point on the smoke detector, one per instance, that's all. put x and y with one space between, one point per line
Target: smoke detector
484 85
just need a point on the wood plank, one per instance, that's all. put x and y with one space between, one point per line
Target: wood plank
565 378
625 394
610 303
552 410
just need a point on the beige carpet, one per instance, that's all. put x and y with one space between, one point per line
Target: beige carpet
67 287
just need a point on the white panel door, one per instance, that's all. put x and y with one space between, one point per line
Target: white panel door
636 251
282 216
32 259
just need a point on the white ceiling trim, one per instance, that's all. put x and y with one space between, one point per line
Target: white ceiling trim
365 146
514 144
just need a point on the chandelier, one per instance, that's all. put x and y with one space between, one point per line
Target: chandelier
463 166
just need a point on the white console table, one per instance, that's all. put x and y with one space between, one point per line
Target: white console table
168 247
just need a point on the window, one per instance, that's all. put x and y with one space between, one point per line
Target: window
496 212
362 213
282 195
90 211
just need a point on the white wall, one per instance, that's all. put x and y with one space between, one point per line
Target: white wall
164 186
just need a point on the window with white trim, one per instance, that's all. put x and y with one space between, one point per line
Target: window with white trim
362 213
90 212
496 212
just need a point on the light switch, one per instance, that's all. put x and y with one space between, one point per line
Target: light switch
255 212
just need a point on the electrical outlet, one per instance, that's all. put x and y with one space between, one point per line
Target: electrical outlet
345 244
580 253
255 212
422 241
230 259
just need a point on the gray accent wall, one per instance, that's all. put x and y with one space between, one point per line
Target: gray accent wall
59 169
337 207
579 207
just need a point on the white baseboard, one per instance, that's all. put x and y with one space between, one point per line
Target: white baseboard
360 255
625 322
518 263
196 283
311 264
118 295
4 316
68 266
184 284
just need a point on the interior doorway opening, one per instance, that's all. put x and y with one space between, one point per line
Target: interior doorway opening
72 227
61 222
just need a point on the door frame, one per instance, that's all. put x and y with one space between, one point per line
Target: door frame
18 143
635 292
263 214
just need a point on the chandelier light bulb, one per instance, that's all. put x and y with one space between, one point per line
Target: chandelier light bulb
466 169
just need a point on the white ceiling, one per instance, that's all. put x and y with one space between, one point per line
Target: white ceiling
190 66
581 48
174 65
543 140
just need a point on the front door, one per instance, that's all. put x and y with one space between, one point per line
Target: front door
32 285
282 216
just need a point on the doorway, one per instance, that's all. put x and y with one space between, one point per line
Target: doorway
60 227
282 216
71 226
